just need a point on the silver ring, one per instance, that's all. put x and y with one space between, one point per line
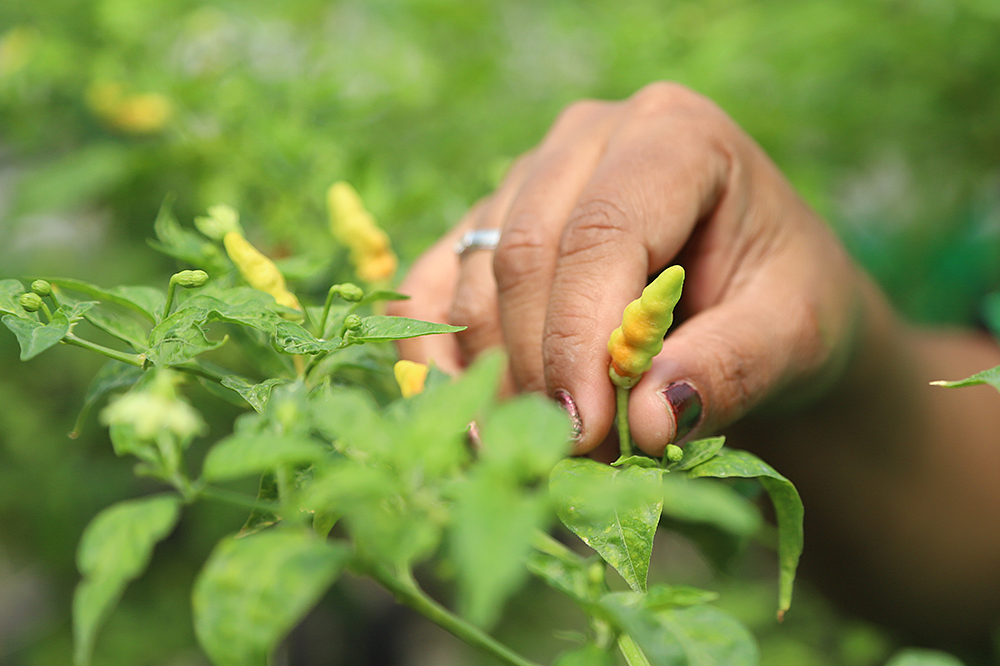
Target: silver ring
477 239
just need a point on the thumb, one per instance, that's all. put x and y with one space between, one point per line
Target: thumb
774 337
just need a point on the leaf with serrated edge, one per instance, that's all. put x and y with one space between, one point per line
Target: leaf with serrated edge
615 511
254 590
787 509
115 548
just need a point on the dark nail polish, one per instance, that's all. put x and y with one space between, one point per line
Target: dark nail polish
685 403
565 400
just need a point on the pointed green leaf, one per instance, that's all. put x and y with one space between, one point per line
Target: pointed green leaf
145 301
493 525
35 337
261 517
385 329
700 634
113 375
124 328
672 596
242 455
255 394
379 295
613 510
636 461
709 502
115 548
294 339
787 509
237 305
572 577
183 244
699 451
525 437
10 292
350 417
254 590
990 376
180 338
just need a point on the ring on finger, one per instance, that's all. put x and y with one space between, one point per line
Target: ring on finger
477 239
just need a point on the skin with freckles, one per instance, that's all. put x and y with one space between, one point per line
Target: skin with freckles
781 342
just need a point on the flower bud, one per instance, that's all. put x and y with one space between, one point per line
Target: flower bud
673 453
348 291
41 287
190 279
352 322
30 301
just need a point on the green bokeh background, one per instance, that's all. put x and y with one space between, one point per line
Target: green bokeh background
884 114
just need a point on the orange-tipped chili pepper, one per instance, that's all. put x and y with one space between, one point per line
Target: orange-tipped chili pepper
355 227
644 323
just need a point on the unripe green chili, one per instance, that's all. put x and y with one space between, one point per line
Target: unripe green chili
644 323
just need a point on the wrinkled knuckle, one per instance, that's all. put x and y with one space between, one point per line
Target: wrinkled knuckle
473 313
737 379
597 223
517 256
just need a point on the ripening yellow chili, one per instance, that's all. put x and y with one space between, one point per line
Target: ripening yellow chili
644 323
259 271
410 376
354 226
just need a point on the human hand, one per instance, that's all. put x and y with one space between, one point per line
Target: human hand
614 193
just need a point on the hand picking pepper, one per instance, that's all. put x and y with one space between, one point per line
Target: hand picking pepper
644 323
259 271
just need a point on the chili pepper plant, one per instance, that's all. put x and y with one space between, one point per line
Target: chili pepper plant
354 477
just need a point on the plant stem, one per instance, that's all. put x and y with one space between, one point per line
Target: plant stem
624 437
407 592
633 653
171 288
124 357
321 328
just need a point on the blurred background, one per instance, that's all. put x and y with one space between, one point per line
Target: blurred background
885 114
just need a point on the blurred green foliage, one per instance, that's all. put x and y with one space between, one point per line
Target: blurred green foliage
884 113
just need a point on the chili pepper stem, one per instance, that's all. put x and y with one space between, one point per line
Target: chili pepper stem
131 359
171 287
48 313
624 436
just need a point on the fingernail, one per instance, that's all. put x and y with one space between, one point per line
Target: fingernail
565 400
685 403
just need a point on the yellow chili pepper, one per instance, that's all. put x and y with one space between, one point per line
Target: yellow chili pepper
644 323
144 113
354 226
410 376
259 271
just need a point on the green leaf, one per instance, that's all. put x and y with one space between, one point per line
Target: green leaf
636 461
145 301
613 510
573 577
10 292
700 450
787 509
261 518
493 524
379 295
255 394
350 417
990 376
183 244
35 337
180 338
700 634
124 328
525 437
921 657
672 596
244 454
709 502
379 328
254 590
294 339
115 548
